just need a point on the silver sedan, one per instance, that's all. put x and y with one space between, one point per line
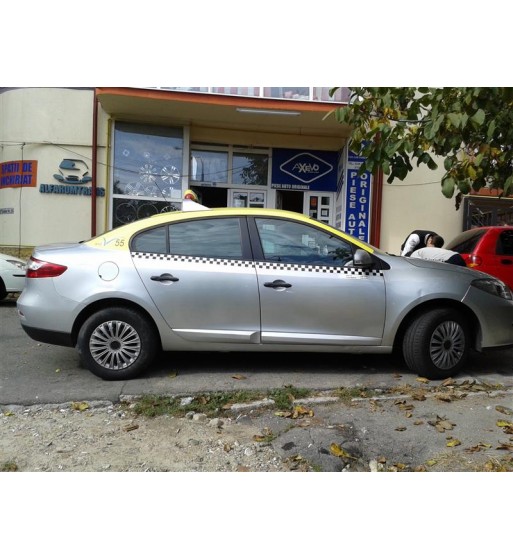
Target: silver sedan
238 279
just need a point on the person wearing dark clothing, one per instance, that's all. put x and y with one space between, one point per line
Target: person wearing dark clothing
417 239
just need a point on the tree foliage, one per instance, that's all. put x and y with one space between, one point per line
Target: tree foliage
471 128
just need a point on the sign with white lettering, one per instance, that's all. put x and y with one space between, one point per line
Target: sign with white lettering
294 169
358 198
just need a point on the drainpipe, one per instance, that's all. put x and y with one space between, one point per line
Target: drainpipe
377 195
94 164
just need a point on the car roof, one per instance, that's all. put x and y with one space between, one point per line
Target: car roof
113 238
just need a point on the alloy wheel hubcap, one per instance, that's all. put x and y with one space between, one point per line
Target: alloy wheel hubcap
447 345
115 345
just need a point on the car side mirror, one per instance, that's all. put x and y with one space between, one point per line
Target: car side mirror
362 259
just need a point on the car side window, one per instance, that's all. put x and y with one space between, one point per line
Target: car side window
151 240
505 243
297 243
210 238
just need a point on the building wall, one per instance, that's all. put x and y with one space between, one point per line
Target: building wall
417 203
52 124
47 125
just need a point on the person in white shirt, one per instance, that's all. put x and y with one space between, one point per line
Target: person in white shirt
434 251
417 239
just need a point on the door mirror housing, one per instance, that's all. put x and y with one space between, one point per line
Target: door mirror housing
362 259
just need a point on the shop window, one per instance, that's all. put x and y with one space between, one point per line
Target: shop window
147 170
250 169
209 167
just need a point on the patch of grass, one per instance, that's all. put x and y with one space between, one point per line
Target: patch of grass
284 397
9 466
214 403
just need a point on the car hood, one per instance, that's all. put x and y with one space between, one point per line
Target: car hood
434 265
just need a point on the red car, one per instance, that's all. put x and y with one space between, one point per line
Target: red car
488 249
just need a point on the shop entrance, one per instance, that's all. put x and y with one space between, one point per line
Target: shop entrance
291 200
211 196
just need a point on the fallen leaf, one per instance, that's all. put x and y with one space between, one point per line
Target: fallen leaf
400 428
408 414
57 370
444 397
447 382
239 377
478 447
447 425
338 451
418 422
283 413
504 410
397 375
172 375
80 406
504 423
423 380
453 442
301 411
400 466
505 446
419 396
431 462
8 413
131 427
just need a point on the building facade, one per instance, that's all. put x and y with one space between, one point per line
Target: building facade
76 162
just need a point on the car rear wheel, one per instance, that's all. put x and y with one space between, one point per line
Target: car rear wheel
436 344
117 343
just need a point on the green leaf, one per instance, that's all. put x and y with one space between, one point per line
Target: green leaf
448 185
454 119
478 117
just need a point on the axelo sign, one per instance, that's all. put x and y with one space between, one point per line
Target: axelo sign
304 170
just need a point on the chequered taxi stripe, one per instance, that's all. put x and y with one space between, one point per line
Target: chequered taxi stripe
259 265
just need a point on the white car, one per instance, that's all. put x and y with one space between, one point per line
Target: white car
12 275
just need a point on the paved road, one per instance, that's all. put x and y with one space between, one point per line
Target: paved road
31 372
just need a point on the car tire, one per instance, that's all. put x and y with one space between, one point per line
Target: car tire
3 291
117 343
436 344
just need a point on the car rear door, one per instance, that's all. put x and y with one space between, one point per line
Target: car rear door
199 275
309 291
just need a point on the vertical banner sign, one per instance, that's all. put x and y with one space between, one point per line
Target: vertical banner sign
358 195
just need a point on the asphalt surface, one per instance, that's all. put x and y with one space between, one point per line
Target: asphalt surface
32 372
397 429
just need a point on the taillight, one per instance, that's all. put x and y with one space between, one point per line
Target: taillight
474 261
41 269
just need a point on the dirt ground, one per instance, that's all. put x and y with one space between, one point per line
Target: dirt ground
102 438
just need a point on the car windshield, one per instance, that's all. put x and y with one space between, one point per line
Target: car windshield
467 241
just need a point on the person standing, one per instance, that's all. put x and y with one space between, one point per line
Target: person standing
415 240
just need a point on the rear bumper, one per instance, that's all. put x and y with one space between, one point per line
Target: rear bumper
49 337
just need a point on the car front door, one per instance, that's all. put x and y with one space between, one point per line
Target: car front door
310 293
198 274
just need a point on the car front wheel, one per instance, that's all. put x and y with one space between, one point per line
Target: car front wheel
436 344
117 343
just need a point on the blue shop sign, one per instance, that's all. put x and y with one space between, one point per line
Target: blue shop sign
358 199
294 169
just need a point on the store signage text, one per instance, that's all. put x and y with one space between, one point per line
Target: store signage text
14 174
358 188
70 189
303 170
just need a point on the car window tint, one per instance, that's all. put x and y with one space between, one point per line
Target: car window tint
466 242
211 238
505 243
291 242
151 240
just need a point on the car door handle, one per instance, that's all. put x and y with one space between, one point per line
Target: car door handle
506 261
164 277
277 283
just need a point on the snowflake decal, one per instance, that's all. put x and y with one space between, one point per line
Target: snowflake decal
170 174
148 173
